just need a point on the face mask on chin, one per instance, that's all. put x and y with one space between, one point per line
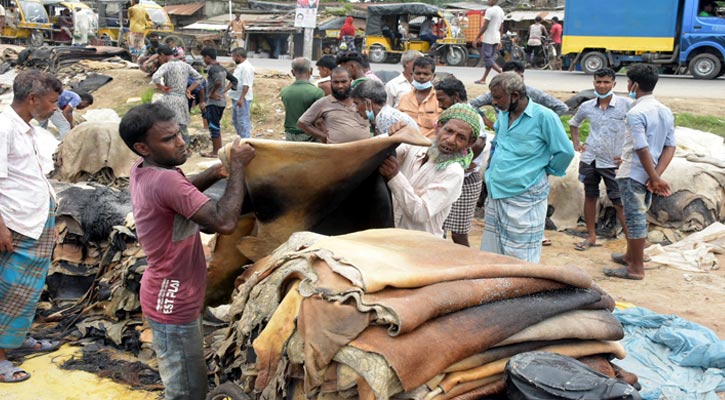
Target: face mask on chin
422 86
603 96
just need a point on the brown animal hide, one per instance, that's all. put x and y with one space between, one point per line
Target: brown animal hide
477 329
226 262
293 186
577 324
377 258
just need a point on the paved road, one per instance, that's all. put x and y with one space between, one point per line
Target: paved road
669 86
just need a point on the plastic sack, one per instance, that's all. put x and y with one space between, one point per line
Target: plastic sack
550 376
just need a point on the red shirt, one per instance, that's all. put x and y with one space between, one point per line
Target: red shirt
555 33
174 283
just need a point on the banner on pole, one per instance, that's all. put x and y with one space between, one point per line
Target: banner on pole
306 14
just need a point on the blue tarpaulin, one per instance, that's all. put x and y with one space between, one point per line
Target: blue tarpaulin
673 358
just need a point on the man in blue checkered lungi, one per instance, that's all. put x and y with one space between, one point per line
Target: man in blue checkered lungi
27 218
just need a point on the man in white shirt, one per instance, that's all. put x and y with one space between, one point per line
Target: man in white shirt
401 84
27 217
491 32
242 95
425 182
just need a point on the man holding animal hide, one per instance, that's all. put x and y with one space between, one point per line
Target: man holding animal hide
425 182
169 208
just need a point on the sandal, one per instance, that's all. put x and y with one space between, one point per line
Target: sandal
584 245
546 242
29 347
8 372
479 82
619 258
621 273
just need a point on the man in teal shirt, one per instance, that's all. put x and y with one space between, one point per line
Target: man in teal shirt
297 98
530 145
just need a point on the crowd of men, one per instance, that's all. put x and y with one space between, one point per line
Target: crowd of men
434 189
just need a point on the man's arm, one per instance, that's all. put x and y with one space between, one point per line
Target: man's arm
222 216
655 184
307 121
68 114
245 89
210 176
560 148
574 125
638 129
6 238
485 99
547 100
483 30
233 81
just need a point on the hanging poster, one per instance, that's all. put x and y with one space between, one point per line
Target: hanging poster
306 14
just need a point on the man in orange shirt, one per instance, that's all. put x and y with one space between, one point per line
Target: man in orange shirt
421 103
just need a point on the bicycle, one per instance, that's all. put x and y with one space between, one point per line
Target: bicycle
547 57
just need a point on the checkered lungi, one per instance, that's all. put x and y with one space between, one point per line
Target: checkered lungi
461 216
515 225
22 277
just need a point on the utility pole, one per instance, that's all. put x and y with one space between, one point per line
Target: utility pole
307 47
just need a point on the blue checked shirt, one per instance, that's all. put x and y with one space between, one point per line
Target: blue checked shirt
649 124
534 146
606 136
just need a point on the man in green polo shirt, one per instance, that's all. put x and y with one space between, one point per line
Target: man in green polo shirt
297 98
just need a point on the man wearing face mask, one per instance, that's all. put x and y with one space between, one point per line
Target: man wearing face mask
649 145
421 103
530 145
369 98
606 113
334 118
426 181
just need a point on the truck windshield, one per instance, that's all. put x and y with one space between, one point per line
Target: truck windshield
34 12
158 16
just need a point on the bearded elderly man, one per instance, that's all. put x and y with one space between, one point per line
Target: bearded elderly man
530 145
425 182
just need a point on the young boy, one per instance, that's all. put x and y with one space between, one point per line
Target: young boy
649 146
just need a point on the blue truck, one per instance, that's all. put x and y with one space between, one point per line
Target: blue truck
675 34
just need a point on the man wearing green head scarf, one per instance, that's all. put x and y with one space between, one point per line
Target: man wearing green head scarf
425 182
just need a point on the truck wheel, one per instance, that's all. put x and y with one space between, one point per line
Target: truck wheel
36 38
456 56
378 54
705 66
228 391
593 61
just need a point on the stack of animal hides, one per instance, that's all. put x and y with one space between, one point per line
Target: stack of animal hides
389 313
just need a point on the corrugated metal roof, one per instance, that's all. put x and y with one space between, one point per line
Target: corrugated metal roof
184 9
530 15
465 5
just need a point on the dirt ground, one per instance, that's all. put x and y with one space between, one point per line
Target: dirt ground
696 297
